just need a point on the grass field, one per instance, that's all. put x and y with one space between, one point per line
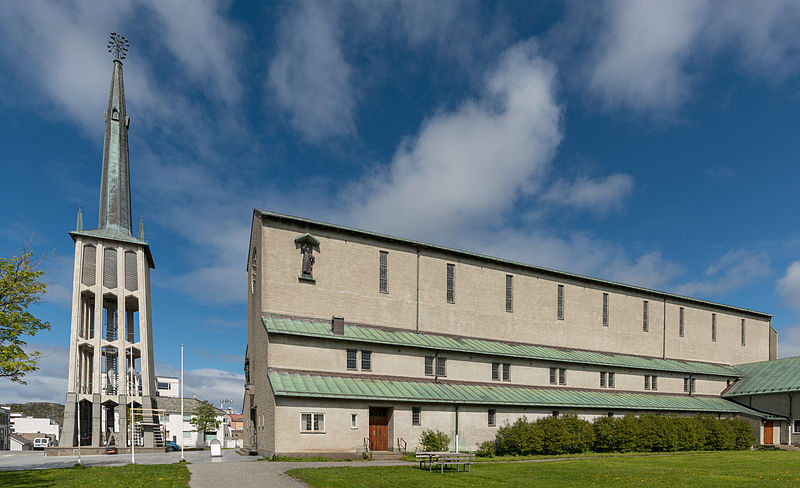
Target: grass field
130 476
713 469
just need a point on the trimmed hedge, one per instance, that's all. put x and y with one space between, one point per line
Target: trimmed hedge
434 440
645 433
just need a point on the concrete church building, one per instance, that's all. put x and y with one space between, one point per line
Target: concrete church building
359 341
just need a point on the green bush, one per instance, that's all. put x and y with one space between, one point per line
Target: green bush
434 440
604 429
555 436
520 438
486 449
580 434
627 433
744 437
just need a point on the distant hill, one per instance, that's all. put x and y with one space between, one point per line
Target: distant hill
53 411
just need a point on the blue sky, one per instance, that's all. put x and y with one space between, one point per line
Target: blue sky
644 142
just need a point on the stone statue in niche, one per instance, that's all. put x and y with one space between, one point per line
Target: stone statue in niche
308 259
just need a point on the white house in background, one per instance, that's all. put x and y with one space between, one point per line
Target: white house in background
19 443
180 431
32 426
5 429
167 386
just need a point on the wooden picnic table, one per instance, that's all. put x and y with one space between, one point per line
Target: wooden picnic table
444 458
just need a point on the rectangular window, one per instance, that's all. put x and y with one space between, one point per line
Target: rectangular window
552 376
353 421
686 385
646 382
611 379
451 283
428 365
415 415
496 371
713 327
692 388
352 363
506 372
560 311
680 322
493 417
602 379
654 382
509 293
366 360
796 428
743 342
562 376
441 366
645 326
319 422
605 309
187 434
312 422
383 285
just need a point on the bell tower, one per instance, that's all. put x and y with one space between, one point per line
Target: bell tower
111 335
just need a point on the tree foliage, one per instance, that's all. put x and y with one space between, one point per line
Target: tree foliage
204 418
434 440
20 287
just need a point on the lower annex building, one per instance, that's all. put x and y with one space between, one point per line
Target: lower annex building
360 341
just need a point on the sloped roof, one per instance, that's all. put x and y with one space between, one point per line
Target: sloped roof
777 376
315 328
173 405
295 384
308 223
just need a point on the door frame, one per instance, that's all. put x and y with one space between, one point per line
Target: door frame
388 425
769 427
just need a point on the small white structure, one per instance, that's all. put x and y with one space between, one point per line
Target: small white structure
180 431
19 443
35 425
167 386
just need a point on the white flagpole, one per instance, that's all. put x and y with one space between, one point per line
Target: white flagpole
133 417
78 396
182 426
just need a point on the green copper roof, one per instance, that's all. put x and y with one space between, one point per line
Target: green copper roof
305 327
319 386
779 376
506 262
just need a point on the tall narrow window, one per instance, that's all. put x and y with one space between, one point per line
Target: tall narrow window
560 311
562 376
110 267
654 382
645 326
89 265
441 366
680 322
552 376
506 372
602 379
351 359
383 285
610 379
366 360
509 293
492 417
692 388
416 413
605 309
496 371
647 382
254 272
686 385
428 365
451 283
131 275
743 330
713 327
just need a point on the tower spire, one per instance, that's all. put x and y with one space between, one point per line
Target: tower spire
115 189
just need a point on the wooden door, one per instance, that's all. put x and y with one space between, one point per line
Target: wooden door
379 428
768 432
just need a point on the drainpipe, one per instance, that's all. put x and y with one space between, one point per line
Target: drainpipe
455 411
664 338
417 319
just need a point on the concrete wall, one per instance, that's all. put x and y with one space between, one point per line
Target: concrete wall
783 404
346 283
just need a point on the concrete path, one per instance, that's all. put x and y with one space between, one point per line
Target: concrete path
262 473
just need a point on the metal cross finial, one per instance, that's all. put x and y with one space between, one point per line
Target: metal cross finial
118 45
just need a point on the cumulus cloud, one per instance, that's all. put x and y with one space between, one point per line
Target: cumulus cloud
789 286
309 77
48 384
734 270
789 341
598 194
469 165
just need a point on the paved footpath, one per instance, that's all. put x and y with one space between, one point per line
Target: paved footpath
262 473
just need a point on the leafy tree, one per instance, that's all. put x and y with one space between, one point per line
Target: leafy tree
20 287
205 418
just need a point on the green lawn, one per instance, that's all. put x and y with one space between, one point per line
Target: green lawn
712 469
132 475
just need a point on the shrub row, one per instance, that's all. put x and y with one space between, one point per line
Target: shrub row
631 433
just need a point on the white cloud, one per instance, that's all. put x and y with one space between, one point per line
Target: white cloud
789 286
48 384
469 165
597 194
209 384
789 341
309 77
734 270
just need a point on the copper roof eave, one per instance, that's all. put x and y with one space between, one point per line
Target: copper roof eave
490 259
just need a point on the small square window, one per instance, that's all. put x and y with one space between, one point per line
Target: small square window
506 371
428 365
416 412
352 362
492 417
555 413
495 371
366 360
796 426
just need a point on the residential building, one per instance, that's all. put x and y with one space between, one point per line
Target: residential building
5 429
167 386
20 443
360 341
180 431
32 427
234 423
